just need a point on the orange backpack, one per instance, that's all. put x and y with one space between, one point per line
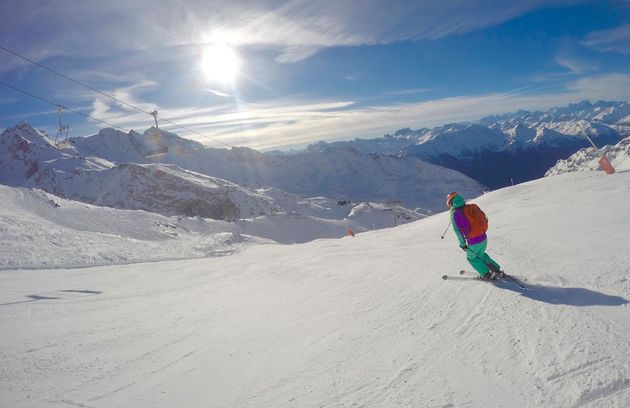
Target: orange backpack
477 220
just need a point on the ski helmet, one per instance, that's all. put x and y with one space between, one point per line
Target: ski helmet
449 198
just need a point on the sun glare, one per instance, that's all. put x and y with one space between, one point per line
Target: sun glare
220 63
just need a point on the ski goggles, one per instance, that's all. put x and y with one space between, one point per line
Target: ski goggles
449 199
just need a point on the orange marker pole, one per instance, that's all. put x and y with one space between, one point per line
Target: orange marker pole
603 161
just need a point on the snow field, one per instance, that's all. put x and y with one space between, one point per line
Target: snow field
362 321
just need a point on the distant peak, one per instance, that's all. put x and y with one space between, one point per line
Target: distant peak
25 131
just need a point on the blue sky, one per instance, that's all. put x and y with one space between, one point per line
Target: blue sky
307 70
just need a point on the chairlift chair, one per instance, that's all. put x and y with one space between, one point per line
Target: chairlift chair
62 130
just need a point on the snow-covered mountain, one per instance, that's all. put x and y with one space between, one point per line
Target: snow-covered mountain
499 150
29 158
121 170
588 159
335 172
362 321
161 172
608 112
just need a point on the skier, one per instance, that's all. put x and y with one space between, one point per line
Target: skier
470 227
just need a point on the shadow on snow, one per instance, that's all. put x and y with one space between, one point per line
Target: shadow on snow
55 295
565 296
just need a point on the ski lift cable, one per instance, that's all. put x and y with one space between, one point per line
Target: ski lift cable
73 80
62 106
153 114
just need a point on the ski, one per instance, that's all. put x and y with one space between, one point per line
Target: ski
453 277
466 275
516 279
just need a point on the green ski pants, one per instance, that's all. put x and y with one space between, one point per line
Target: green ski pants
478 259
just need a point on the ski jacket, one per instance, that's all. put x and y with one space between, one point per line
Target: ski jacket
461 226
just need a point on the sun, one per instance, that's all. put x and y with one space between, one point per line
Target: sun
220 63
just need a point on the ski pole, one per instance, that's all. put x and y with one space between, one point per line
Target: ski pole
449 224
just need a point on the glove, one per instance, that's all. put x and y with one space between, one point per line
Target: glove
464 247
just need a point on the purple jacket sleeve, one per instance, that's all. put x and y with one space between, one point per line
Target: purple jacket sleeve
461 223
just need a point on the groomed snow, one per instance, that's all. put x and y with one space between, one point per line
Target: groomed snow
362 321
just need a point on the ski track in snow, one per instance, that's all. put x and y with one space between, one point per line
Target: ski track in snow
364 321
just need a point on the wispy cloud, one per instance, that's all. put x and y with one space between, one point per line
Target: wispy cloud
573 64
614 40
24 116
552 76
5 100
297 28
219 93
407 91
602 87
301 28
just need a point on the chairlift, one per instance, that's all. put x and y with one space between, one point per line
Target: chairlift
156 153
162 150
63 129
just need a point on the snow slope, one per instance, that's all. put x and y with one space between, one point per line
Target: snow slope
362 321
42 230
39 229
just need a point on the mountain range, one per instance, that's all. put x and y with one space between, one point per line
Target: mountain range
160 172
506 149
410 170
